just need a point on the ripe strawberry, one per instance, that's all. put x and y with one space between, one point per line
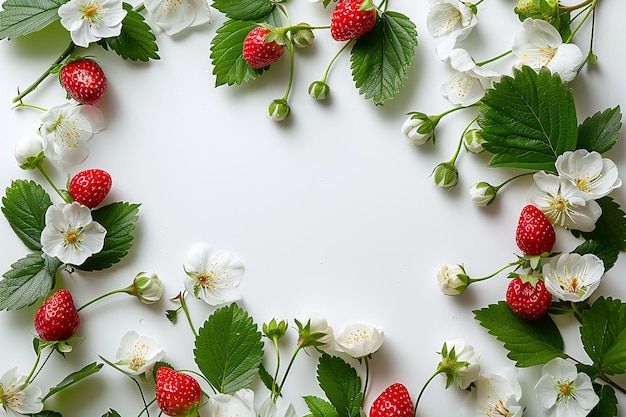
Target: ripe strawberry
395 401
57 319
83 80
528 301
535 234
176 393
90 187
348 21
257 52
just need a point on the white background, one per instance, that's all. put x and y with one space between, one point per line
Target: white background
333 211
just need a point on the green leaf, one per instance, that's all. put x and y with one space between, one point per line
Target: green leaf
73 378
28 280
607 407
381 58
603 333
606 251
119 219
600 132
228 349
341 384
229 67
22 17
528 120
111 413
529 342
244 9
24 206
266 378
320 407
136 41
610 227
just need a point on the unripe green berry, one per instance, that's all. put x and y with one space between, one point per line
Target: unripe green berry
303 37
319 90
278 109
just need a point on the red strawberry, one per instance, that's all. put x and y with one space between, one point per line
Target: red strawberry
349 21
395 401
527 300
535 234
57 318
176 393
83 80
257 52
90 187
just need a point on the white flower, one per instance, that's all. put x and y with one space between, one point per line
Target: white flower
213 276
594 176
360 340
148 287
495 395
470 81
16 398
315 331
418 128
563 392
240 404
269 409
66 129
483 194
29 151
137 354
573 277
71 234
563 203
539 45
91 20
452 279
451 20
175 16
459 362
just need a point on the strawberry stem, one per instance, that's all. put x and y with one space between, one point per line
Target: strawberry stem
124 290
419 397
64 195
183 305
291 361
332 61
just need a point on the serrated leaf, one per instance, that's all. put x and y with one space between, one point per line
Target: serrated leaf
320 407
600 132
606 251
380 59
136 41
266 378
244 9
24 206
22 17
119 219
229 67
607 406
528 120
229 349
610 227
341 384
73 378
28 280
603 333
529 342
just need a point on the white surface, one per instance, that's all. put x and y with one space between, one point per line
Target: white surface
332 210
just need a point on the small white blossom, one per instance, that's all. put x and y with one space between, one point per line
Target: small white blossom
315 331
573 277
213 276
451 20
594 176
360 340
18 398
470 81
459 362
240 404
482 194
148 287
269 409
91 20
452 279
137 354
495 395
66 129
564 392
175 16
29 151
71 234
418 128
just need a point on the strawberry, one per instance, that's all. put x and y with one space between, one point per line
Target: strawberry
176 393
90 187
83 80
527 300
395 401
257 52
535 234
57 318
348 21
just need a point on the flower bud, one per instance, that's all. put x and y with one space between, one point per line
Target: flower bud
482 194
418 128
446 175
275 330
303 37
452 279
278 110
316 332
147 287
459 362
319 90
537 9
29 151
473 141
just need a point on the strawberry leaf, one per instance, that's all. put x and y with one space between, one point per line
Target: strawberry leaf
381 58
73 378
610 227
229 67
22 17
320 407
28 280
136 41
529 342
528 120
599 132
244 9
607 407
341 384
229 349
24 206
119 219
603 333
606 251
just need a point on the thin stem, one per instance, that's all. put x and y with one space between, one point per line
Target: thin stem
332 61
125 290
419 397
30 106
509 265
183 304
32 371
143 398
580 24
291 361
63 195
367 375
565 9
277 350
495 58
460 145
525 174
291 70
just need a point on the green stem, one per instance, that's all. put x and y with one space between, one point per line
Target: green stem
49 71
460 145
291 361
495 58
30 106
32 371
565 9
183 304
124 290
277 350
497 187
332 61
33 376
419 397
64 196
291 70
367 376
509 265
592 6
